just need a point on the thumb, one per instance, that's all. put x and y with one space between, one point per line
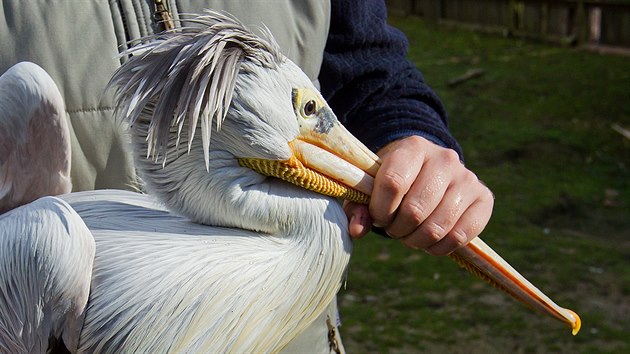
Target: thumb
359 221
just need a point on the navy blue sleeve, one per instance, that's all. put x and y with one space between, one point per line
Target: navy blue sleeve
373 89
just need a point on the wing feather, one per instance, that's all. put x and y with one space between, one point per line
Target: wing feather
46 255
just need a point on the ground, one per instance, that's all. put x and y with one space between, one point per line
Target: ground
538 127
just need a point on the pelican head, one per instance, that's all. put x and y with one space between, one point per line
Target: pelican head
255 110
258 115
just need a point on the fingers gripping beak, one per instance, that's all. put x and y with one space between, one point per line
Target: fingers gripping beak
329 160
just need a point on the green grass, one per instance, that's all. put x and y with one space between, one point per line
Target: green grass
536 128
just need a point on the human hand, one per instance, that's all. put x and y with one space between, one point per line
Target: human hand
425 197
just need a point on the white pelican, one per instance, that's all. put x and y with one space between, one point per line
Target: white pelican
32 116
275 255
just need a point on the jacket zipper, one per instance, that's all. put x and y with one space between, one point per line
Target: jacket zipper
163 17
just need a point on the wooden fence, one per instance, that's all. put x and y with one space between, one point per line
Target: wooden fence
599 24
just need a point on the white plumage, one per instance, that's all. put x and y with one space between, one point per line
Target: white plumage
161 283
46 255
164 284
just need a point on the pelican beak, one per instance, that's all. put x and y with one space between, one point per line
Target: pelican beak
326 158
334 164
329 160
478 258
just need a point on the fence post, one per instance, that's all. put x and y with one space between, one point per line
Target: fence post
544 19
581 25
511 16
432 10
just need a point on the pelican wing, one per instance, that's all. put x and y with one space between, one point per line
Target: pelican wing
46 255
32 118
164 284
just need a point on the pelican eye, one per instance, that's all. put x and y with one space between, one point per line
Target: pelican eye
310 108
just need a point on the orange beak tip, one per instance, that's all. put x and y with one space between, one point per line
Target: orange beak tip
577 324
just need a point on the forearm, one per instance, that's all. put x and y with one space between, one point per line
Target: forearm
374 90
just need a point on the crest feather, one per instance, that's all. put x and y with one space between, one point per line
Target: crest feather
186 76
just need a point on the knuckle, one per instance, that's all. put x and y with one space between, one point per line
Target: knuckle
411 243
459 237
414 212
470 177
433 232
450 157
393 182
379 219
485 199
439 252
488 195
417 141
475 228
394 234
487 204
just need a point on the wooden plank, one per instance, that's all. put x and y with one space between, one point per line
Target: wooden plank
561 21
399 7
484 12
615 28
532 18
432 10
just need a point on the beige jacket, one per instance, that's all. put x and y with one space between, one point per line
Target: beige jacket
77 42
